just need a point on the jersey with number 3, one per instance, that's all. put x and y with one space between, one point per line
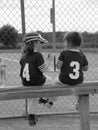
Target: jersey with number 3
71 63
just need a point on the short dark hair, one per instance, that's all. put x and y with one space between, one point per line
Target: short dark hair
73 37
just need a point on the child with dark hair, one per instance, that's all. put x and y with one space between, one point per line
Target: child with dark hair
33 65
72 61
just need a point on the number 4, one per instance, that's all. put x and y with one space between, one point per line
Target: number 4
26 72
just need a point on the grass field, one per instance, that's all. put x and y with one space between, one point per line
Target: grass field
63 105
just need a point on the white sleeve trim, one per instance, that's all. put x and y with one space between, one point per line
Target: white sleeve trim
59 64
43 68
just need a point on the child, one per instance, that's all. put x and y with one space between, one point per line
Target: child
32 62
71 62
33 65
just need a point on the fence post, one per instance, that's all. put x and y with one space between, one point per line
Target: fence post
54 63
22 16
23 33
53 23
84 112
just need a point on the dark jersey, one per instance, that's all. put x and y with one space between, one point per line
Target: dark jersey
71 64
31 69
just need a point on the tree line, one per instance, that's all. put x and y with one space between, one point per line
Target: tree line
11 38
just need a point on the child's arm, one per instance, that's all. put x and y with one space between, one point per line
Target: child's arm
44 67
85 68
48 60
59 64
85 64
60 61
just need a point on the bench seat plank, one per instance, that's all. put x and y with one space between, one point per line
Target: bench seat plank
54 90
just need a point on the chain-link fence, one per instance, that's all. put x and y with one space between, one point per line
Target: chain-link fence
52 18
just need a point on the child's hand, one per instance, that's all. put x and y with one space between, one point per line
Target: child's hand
49 57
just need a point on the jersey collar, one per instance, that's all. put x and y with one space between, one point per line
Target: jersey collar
74 50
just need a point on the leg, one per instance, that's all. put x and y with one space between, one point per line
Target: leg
47 101
49 80
32 105
32 118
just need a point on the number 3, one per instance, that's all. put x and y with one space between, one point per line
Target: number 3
26 72
76 68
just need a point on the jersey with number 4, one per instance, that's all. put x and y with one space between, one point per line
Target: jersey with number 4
71 64
30 72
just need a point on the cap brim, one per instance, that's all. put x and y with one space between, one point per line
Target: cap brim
42 40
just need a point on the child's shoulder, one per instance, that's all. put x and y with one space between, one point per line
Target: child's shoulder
37 53
81 52
65 51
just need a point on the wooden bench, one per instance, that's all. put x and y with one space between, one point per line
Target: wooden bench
83 90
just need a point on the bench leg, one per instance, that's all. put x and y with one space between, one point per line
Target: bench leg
26 106
84 112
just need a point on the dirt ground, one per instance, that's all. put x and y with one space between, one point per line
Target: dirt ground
48 123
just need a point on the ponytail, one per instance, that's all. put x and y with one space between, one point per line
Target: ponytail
27 50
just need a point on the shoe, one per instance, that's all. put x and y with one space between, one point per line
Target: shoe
77 106
49 104
32 119
43 101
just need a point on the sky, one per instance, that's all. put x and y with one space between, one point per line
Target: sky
70 15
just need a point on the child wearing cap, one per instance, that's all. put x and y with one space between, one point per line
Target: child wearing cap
32 62
71 62
33 65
